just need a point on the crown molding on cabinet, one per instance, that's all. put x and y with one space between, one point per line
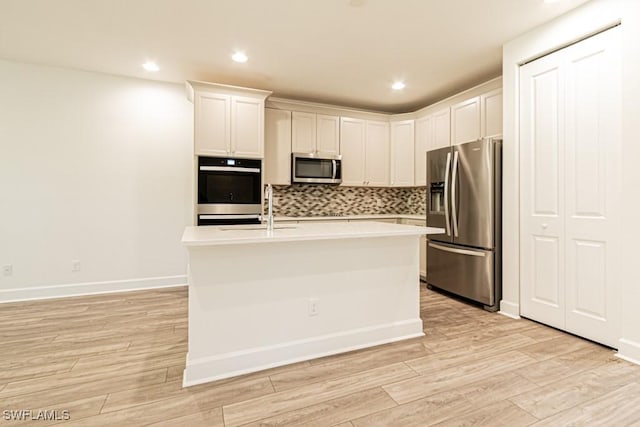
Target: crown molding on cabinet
219 88
328 109
487 86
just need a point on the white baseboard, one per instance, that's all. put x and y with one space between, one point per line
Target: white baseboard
91 288
629 350
228 365
509 309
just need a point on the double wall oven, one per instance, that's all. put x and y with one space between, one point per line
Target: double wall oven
229 191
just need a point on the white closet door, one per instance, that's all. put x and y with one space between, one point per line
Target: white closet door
542 262
592 187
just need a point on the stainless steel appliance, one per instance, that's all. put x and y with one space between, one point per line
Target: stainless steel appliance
229 191
464 198
316 168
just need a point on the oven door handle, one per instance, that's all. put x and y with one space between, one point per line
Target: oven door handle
228 169
206 216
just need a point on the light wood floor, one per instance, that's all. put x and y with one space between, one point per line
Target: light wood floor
118 359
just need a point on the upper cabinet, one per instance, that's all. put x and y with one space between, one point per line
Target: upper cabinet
315 133
477 117
431 132
228 120
277 150
352 135
376 156
465 121
402 153
491 113
365 152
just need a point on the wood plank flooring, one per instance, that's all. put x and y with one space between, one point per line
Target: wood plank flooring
118 360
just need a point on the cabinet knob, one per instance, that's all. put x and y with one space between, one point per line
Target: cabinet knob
544 226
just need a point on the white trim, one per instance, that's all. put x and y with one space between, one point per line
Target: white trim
90 288
510 309
629 350
228 365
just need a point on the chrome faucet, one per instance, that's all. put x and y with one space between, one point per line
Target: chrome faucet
269 196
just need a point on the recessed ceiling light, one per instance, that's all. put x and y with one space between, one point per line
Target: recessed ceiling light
397 86
151 66
239 57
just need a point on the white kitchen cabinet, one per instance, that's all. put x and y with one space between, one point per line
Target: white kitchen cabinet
327 134
423 134
247 127
423 245
352 148
570 140
376 156
441 129
491 113
228 120
365 152
431 132
212 131
402 153
315 133
465 121
303 132
277 142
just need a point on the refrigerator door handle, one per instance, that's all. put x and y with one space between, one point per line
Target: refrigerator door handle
454 208
456 251
446 194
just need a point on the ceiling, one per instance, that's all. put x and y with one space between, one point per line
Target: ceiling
344 52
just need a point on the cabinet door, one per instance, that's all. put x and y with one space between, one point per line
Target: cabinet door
277 150
327 134
247 127
465 121
352 148
377 154
424 135
402 153
303 132
491 112
212 131
441 129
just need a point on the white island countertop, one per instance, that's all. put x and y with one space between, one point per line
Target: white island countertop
249 234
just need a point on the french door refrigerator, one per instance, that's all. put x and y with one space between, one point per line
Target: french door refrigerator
464 198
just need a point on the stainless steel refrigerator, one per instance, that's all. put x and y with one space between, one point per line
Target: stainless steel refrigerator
464 197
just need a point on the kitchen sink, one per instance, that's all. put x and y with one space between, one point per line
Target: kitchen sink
258 227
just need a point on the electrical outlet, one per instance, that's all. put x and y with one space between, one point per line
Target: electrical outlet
7 270
75 265
313 307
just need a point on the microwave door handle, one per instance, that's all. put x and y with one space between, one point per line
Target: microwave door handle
446 193
454 207
335 166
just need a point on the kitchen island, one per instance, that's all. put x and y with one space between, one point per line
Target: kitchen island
260 299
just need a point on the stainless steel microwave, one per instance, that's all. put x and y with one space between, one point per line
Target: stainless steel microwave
316 168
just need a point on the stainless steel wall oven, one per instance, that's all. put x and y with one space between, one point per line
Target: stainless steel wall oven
229 191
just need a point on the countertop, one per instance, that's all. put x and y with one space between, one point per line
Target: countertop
249 234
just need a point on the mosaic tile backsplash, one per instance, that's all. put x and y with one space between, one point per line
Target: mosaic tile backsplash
329 200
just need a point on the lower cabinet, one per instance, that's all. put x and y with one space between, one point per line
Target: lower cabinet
423 245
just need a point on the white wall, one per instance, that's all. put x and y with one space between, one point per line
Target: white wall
587 19
95 168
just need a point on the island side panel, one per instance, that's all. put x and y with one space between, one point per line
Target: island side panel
249 304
